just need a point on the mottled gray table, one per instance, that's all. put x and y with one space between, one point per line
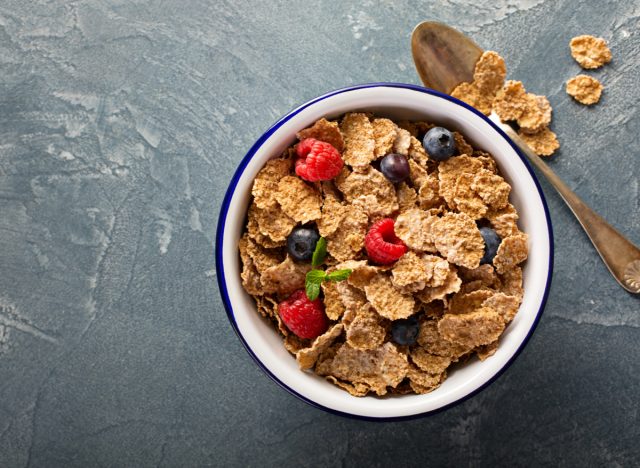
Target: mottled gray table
120 124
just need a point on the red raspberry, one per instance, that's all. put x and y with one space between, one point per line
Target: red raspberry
317 160
382 244
303 316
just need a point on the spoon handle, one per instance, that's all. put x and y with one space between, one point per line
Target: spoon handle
621 257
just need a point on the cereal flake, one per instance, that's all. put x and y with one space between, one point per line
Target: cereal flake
265 185
590 52
543 143
403 142
307 357
348 239
299 200
324 130
414 227
513 250
387 300
458 239
285 277
466 199
384 134
490 73
477 328
492 189
506 306
474 96
584 89
370 190
366 331
359 143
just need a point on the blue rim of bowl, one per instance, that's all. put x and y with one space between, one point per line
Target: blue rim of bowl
225 209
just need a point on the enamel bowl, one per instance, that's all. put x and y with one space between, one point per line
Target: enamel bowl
398 102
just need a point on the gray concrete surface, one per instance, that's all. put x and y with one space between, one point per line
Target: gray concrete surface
121 122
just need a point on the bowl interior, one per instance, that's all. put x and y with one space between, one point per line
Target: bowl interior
402 102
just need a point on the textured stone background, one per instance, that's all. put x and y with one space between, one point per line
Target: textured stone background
121 122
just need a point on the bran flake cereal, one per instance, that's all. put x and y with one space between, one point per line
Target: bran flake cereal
299 200
324 130
458 239
584 89
480 327
543 143
472 95
359 143
461 307
590 52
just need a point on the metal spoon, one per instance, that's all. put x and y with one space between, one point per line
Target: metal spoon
444 58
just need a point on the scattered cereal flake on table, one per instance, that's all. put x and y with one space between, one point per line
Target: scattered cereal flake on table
370 190
490 73
511 282
434 343
285 277
403 142
462 303
387 300
431 363
462 145
513 250
307 357
504 220
543 143
324 130
457 238
486 274
429 193
407 197
333 306
265 185
466 199
359 144
536 115
424 382
510 101
450 170
377 368
451 285
272 222
413 227
384 134
367 330
410 273
486 351
590 52
417 152
472 95
506 306
492 189
299 200
481 327
584 89
348 239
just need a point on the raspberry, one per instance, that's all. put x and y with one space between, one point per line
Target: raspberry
317 160
382 244
303 316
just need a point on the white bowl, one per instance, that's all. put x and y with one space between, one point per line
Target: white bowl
396 101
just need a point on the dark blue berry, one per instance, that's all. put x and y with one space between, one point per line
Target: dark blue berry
302 242
395 167
405 331
439 143
491 243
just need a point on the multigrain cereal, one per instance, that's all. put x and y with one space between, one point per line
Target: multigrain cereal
393 309
584 89
510 101
590 52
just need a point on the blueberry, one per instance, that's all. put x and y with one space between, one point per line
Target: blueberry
302 242
491 243
395 167
439 143
405 331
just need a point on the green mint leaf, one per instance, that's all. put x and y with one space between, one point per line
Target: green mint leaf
312 289
339 275
316 276
319 253
312 283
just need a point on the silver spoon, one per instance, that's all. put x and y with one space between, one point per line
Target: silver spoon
444 58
